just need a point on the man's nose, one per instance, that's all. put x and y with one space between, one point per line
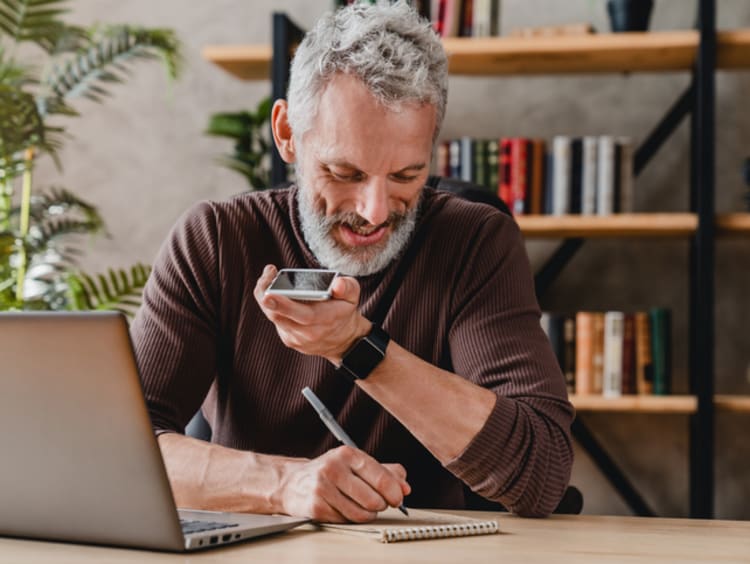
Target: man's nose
372 203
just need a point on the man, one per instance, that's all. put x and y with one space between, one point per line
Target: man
467 392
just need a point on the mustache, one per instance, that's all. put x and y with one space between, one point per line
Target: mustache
356 221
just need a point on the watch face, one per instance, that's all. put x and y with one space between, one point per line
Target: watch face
363 358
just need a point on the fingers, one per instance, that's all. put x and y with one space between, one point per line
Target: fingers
368 484
346 288
345 484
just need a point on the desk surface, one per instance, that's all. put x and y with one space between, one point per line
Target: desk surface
559 539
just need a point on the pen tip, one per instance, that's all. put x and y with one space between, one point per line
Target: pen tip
403 510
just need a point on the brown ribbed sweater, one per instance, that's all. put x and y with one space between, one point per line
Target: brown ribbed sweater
466 304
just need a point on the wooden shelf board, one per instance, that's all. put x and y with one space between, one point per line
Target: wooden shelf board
733 49
636 404
594 53
616 225
492 56
732 403
246 62
733 225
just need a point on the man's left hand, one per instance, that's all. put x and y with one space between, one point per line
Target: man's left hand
326 328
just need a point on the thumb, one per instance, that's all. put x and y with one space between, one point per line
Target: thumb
346 288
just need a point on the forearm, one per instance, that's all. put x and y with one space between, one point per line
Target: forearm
514 451
450 409
208 476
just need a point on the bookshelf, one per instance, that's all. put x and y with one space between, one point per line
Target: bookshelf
674 404
700 52
596 53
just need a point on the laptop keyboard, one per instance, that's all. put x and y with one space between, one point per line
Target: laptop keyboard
189 527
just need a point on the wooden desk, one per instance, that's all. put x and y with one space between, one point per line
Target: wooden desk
559 540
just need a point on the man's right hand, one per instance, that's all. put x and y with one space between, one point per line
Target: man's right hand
344 484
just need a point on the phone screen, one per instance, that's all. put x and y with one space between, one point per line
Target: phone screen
304 280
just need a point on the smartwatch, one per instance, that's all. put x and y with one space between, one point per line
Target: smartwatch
365 354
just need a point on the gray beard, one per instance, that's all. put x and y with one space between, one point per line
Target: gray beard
359 261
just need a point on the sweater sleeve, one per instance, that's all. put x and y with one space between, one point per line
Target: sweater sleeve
522 457
175 331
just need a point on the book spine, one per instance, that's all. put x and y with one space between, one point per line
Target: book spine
455 159
584 353
506 189
493 177
644 377
482 18
597 352
613 333
538 162
605 203
626 175
480 162
588 184
661 349
628 354
576 175
618 178
467 159
518 175
561 181
569 352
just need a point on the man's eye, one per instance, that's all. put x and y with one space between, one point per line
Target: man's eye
405 179
354 177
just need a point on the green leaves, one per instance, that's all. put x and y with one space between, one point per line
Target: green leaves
39 240
105 60
34 20
118 289
249 131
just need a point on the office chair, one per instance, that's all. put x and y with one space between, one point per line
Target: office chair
572 500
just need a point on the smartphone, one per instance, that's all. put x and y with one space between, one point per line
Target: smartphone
303 284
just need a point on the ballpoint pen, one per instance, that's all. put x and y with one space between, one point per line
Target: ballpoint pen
333 425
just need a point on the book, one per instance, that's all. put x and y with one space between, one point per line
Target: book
605 172
588 175
597 352
628 354
661 349
584 380
392 526
561 175
644 377
569 352
613 334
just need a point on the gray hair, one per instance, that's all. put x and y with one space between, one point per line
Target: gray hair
395 53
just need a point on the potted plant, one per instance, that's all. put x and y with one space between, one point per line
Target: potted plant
38 227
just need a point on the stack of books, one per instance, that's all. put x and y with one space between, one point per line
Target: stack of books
456 18
591 175
613 353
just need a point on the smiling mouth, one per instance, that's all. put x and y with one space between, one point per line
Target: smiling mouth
356 236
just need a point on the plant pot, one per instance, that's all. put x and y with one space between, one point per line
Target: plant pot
629 15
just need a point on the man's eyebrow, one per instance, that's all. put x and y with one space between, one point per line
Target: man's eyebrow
346 164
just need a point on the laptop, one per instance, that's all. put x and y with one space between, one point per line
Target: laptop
78 458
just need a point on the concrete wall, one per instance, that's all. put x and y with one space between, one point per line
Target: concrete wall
143 158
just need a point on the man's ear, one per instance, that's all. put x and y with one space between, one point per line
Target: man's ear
282 131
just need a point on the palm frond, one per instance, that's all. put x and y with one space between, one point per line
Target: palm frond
117 290
49 231
21 126
57 201
109 52
37 21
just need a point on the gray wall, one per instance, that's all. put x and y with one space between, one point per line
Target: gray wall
142 158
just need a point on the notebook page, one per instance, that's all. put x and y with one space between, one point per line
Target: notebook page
393 526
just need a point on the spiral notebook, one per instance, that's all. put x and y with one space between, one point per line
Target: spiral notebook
392 526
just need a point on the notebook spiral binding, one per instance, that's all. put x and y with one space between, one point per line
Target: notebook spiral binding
439 531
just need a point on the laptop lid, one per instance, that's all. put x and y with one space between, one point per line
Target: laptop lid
80 460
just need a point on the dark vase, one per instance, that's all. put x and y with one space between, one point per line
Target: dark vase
629 15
